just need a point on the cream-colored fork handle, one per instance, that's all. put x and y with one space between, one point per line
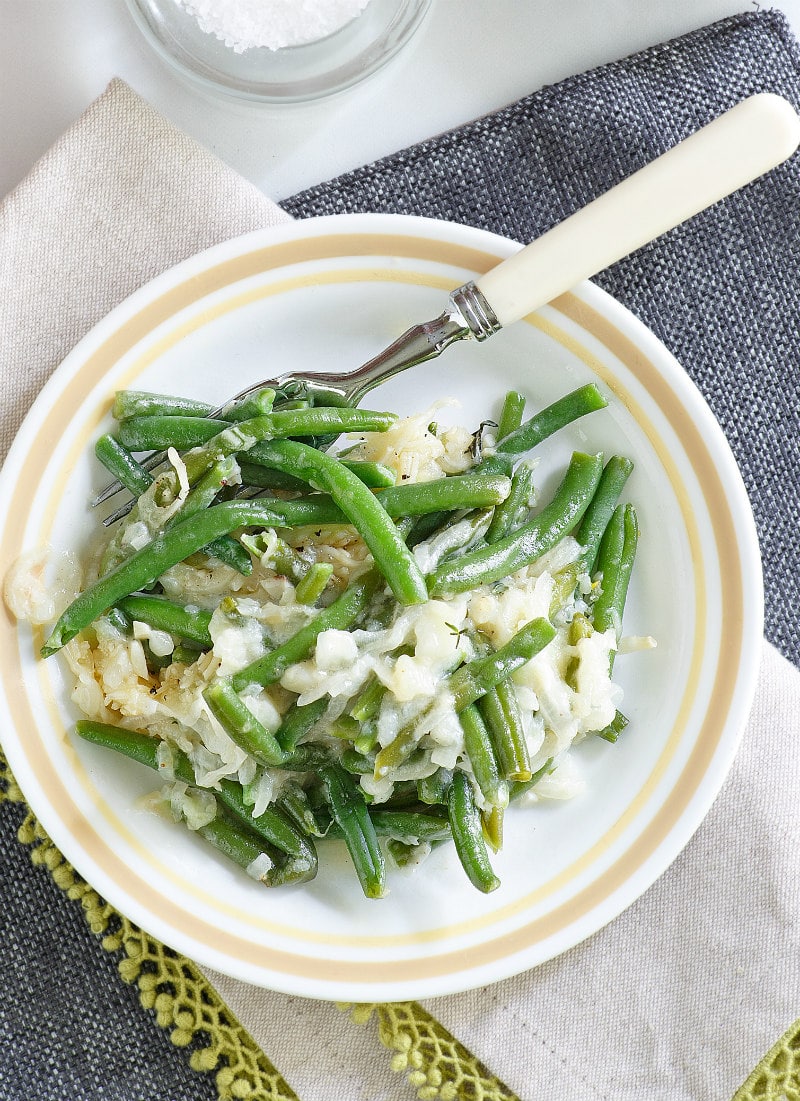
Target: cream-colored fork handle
753 137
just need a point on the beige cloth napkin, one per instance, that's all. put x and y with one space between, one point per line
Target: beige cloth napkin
676 999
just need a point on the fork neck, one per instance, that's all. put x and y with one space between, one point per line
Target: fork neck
468 316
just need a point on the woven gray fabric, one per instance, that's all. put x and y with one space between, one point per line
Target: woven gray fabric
722 292
70 1029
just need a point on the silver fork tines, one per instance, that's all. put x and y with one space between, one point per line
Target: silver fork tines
468 315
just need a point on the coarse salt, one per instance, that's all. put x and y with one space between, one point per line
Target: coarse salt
247 24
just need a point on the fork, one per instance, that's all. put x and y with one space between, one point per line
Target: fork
751 138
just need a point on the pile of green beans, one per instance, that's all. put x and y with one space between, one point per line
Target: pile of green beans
476 529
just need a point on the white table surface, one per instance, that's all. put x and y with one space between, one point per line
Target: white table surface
467 59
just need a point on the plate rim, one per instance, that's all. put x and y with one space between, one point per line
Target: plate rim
594 296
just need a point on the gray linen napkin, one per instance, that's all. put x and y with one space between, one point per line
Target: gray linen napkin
120 197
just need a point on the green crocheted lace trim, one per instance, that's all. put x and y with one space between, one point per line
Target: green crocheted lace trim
437 1066
777 1076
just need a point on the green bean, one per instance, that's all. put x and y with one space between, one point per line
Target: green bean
245 435
612 731
291 870
586 399
184 654
295 403
152 432
181 432
368 702
565 581
275 553
315 421
143 748
357 763
595 520
344 727
117 618
206 478
498 560
520 787
614 565
256 404
235 841
311 586
307 757
459 491
367 738
297 722
369 518
510 514
262 477
205 488
403 855
394 754
146 565
454 493
492 827
512 414
465 824
459 533
477 677
340 615
433 789
241 724
155 662
179 620
294 802
374 475
273 823
142 403
410 827
501 713
204 491
480 751
349 809
244 846
121 465
230 553
426 526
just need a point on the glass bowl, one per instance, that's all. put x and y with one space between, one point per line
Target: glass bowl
292 74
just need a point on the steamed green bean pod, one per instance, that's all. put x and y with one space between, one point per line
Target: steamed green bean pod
349 809
121 465
465 824
361 508
272 825
531 541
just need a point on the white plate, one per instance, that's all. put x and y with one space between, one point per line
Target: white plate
328 294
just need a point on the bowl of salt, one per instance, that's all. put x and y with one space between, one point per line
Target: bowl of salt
278 51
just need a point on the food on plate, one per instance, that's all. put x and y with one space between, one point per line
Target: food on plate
333 624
